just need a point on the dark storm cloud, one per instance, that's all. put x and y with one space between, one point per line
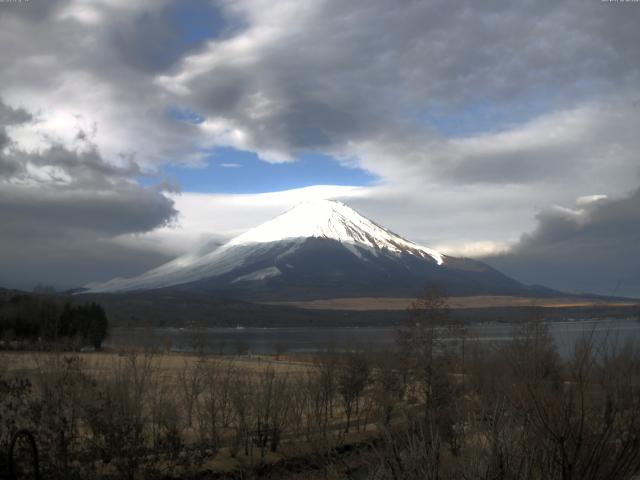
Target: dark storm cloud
9 167
11 116
154 39
592 248
35 10
86 169
342 73
123 209
69 261
57 208
62 237
8 116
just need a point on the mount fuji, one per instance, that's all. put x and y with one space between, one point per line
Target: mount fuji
319 249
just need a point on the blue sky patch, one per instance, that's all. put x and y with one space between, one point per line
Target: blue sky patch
195 20
233 171
183 114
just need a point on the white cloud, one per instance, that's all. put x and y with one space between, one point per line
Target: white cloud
221 216
587 199
474 249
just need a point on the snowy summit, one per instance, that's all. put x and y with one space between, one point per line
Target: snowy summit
336 221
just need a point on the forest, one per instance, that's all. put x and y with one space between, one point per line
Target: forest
28 320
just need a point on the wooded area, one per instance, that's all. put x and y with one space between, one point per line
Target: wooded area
26 320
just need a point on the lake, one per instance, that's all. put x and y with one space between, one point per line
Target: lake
318 339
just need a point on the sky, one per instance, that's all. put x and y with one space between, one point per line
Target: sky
133 132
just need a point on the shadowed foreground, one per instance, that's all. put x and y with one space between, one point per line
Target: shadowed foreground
516 411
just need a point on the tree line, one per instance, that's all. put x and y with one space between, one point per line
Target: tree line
40 318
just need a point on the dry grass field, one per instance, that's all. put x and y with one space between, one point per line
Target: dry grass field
176 372
423 411
171 364
174 414
488 301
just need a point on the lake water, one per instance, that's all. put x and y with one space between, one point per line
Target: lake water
318 339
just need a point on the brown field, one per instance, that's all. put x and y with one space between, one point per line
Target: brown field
424 412
171 364
168 381
489 301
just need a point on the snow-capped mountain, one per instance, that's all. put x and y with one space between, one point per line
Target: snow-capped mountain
336 221
319 249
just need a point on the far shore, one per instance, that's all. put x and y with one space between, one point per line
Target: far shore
484 301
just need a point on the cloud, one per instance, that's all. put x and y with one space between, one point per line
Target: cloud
284 78
473 115
591 247
62 237
430 218
92 70
154 39
57 206
204 217
11 116
321 75
473 249
41 210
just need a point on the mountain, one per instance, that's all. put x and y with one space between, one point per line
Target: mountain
320 249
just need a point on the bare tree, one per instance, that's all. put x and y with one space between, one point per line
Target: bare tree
214 409
420 337
353 377
271 407
190 382
387 391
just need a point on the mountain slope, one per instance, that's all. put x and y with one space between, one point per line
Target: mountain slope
321 249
